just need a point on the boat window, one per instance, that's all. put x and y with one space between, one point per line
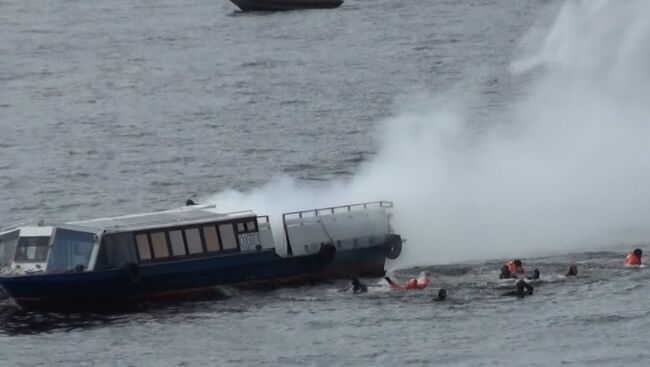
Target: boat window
142 241
159 244
116 250
70 250
178 245
193 237
251 227
240 228
211 239
228 240
32 249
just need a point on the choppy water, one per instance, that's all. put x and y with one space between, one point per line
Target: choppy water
600 317
124 106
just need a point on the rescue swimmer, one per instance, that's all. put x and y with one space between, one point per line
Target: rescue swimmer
442 295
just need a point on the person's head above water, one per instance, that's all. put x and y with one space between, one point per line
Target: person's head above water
518 263
573 270
536 274
189 202
442 294
638 252
355 281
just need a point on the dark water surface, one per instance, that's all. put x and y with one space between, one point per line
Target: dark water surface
599 318
123 106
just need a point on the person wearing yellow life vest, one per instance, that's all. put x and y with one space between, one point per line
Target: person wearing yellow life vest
634 257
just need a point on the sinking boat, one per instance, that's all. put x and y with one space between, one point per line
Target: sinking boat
184 252
280 5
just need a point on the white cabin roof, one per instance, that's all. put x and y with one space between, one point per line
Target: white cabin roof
29 231
41 231
174 217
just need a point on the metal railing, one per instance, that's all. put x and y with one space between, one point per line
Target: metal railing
329 211
338 209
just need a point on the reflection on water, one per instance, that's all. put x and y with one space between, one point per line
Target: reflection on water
16 322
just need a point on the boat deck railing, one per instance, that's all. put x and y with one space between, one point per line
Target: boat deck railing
336 209
311 213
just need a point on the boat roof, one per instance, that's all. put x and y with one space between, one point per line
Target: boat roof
42 231
174 217
29 231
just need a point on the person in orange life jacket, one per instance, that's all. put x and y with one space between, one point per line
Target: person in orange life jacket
511 269
412 283
634 257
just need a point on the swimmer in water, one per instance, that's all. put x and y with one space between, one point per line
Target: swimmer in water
357 286
634 258
535 275
442 295
412 283
523 289
511 269
573 270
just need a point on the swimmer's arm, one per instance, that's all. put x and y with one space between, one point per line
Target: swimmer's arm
393 284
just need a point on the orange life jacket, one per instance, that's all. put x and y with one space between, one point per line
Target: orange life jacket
514 268
632 259
410 284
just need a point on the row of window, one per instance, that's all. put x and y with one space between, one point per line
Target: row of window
207 238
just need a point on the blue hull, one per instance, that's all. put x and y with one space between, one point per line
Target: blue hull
186 278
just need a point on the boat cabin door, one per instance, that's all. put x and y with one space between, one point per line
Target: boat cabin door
73 248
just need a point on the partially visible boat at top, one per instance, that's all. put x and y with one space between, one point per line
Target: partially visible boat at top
182 252
280 5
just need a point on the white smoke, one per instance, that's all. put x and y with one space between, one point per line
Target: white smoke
569 170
